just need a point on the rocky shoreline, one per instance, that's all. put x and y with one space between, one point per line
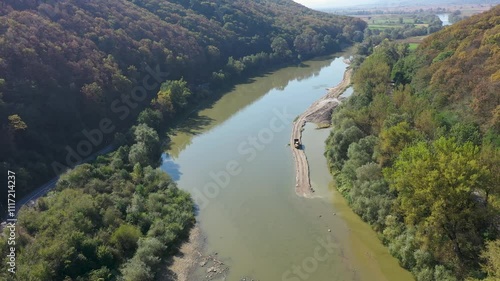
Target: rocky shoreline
190 262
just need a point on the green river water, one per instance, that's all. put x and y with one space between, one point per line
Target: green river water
233 157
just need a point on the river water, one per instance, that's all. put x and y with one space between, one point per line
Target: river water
233 157
444 18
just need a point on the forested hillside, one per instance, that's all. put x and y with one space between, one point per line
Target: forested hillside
419 158
67 65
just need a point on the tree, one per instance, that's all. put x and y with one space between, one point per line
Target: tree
93 92
235 66
152 118
173 96
490 158
179 92
150 251
137 173
339 143
466 132
138 154
372 76
16 123
125 238
163 103
146 150
380 108
280 47
136 271
213 53
404 69
393 140
492 260
435 184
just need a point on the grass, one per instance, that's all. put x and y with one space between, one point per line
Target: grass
320 126
380 26
413 46
384 21
415 40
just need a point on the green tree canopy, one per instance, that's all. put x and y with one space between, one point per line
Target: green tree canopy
436 185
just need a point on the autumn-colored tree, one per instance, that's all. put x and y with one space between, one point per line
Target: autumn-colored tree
492 260
16 123
393 140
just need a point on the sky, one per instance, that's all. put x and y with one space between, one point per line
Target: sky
314 4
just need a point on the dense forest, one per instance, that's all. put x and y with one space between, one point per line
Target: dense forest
416 150
73 73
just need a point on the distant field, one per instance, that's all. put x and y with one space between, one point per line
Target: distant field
413 46
384 21
387 19
466 9
391 18
384 26
415 39
412 41
380 26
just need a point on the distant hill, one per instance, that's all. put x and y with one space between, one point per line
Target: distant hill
63 63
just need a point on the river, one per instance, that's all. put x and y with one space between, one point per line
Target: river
233 156
444 19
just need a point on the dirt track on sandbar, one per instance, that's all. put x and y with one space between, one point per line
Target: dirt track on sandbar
319 112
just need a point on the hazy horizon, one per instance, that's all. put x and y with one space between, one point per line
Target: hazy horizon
315 4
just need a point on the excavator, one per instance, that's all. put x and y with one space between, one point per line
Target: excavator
296 144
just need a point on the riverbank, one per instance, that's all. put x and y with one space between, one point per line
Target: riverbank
190 257
319 112
185 261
